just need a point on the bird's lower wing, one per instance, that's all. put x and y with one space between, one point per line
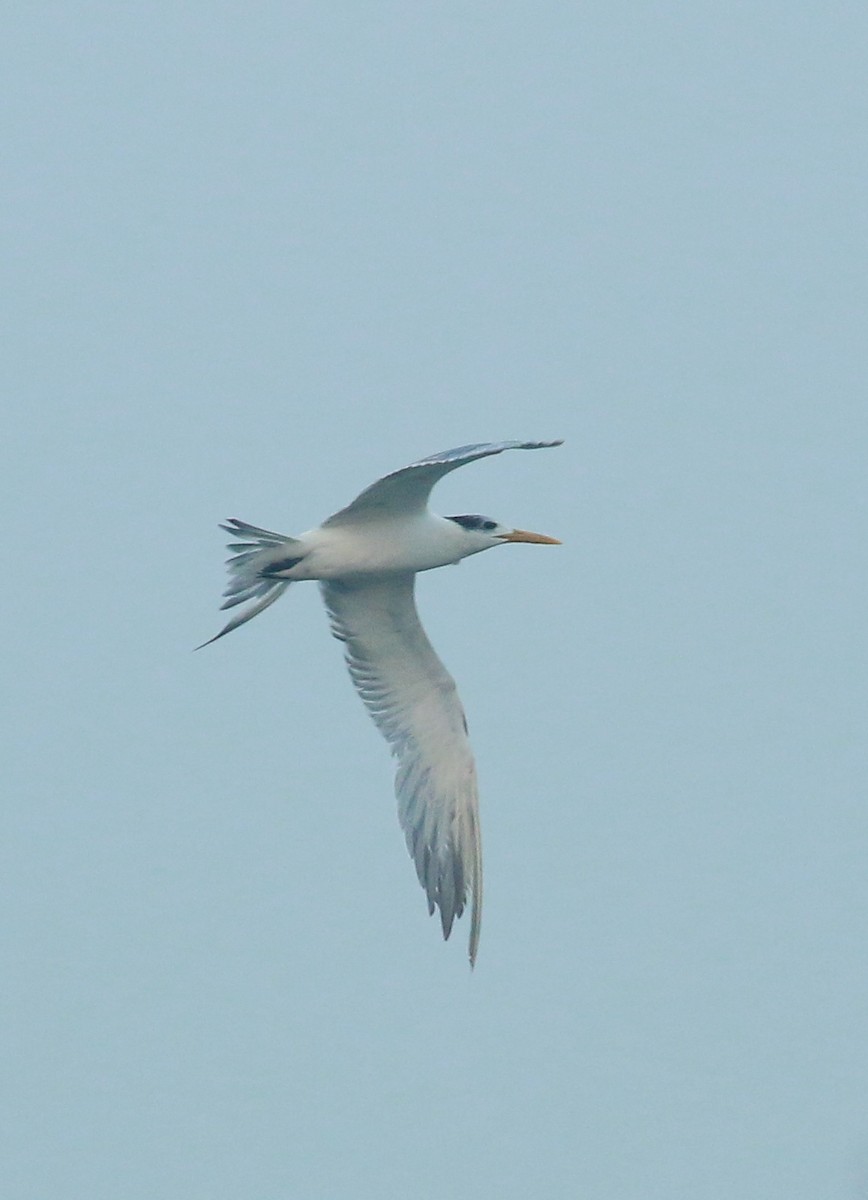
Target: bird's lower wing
413 700
408 490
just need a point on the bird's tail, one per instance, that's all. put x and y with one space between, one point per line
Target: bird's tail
256 560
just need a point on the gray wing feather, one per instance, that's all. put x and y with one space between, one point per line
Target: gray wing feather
414 703
408 490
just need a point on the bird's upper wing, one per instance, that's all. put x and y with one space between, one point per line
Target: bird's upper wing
407 490
414 702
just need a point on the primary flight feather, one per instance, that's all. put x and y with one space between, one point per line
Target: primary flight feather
365 558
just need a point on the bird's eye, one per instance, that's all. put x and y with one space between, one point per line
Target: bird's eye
489 525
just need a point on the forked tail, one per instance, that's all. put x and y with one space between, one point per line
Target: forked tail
256 558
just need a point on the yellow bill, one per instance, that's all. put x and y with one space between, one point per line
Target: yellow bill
523 535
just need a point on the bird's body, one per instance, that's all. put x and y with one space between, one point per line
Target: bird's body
386 545
365 558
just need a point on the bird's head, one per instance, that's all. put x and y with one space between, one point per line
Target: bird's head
483 532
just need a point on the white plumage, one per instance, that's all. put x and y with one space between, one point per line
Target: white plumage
365 558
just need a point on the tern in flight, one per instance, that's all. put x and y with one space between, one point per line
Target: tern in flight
365 559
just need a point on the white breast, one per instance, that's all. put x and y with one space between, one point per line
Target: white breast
418 543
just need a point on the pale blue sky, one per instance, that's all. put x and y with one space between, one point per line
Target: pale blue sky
256 256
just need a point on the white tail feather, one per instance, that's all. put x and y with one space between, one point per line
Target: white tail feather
252 558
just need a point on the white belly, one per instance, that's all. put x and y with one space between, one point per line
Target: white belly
382 547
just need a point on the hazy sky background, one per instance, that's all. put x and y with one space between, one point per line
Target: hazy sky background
256 255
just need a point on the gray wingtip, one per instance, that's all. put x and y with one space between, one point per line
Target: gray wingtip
534 445
475 922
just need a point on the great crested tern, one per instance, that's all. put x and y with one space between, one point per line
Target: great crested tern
365 558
